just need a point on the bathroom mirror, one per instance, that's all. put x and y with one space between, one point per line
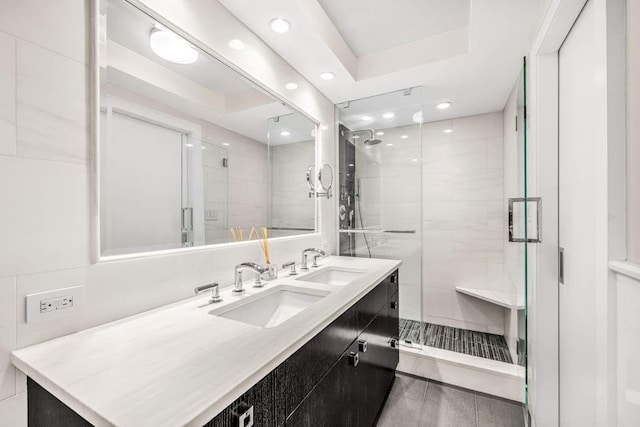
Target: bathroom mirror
190 152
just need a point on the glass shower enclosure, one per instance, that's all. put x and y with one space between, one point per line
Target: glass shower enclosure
380 187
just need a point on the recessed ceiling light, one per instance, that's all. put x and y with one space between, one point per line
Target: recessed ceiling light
291 86
280 25
226 144
327 75
417 117
443 105
404 136
379 133
388 115
189 145
366 118
351 164
170 46
285 133
448 130
324 127
389 145
236 44
414 160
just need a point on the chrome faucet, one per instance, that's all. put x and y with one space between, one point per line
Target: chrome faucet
306 252
248 266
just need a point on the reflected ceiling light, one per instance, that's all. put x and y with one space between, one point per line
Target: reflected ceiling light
291 86
356 136
285 133
404 136
379 133
443 105
414 160
327 75
388 115
189 145
417 117
351 164
170 46
448 130
203 147
324 127
236 44
389 145
226 144
366 118
280 25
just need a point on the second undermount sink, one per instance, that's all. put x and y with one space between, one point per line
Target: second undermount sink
271 308
335 276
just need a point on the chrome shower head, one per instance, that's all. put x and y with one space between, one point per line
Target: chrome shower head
373 141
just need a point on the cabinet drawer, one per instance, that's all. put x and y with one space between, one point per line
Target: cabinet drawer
371 304
309 364
332 402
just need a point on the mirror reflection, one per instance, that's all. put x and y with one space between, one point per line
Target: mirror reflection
191 153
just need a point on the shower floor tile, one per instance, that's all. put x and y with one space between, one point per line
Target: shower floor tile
480 344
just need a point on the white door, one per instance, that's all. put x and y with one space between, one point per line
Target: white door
577 219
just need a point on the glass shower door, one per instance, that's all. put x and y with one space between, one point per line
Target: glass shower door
380 191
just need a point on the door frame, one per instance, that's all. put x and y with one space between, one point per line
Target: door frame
544 404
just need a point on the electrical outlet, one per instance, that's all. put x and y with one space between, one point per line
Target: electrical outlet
50 305
58 303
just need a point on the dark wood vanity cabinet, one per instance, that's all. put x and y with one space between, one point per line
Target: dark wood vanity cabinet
341 377
353 391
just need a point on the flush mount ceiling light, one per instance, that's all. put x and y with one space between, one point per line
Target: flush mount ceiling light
285 133
280 25
379 133
327 75
443 105
291 86
366 118
236 44
448 130
417 117
170 46
388 115
404 136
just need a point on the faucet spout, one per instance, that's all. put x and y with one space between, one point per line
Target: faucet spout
317 252
257 269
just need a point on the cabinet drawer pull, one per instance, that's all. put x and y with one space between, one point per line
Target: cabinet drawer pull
394 305
362 346
394 279
354 359
393 343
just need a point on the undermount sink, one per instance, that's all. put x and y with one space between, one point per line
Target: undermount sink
271 308
333 276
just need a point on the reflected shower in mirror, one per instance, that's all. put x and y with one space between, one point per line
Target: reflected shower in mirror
191 153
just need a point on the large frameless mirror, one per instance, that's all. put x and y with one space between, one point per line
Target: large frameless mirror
191 153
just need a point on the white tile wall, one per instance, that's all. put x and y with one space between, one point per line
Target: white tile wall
51 102
7 94
463 220
7 335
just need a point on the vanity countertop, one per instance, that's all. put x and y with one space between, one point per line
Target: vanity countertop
178 364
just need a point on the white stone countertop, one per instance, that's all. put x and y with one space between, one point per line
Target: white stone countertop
178 364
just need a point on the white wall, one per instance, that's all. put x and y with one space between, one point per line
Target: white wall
463 220
633 131
45 189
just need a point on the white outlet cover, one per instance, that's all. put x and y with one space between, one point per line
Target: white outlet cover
33 304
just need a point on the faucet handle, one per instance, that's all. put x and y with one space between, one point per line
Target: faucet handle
291 264
215 291
315 261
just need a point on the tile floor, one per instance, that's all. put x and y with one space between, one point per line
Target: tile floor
480 344
423 403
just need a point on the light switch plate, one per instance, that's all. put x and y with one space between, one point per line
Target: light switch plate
51 305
